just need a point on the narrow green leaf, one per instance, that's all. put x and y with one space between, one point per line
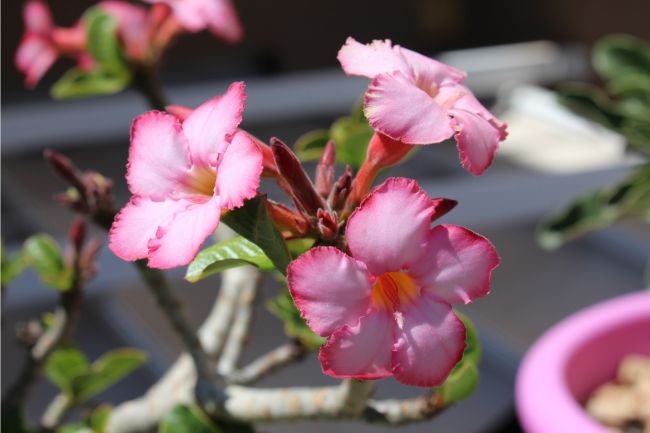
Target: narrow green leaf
253 223
42 253
106 371
282 306
77 83
74 427
64 365
230 253
599 209
102 39
591 102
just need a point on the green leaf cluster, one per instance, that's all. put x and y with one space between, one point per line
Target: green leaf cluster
623 62
79 380
464 378
351 135
110 73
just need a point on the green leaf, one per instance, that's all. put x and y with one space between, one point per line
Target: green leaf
351 137
102 39
599 209
12 265
464 378
42 253
74 427
77 83
297 247
618 55
282 306
253 223
591 102
98 418
231 253
183 419
106 371
309 146
637 134
64 365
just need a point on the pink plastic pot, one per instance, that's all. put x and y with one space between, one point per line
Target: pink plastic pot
573 358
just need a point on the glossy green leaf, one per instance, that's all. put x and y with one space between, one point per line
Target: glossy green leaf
618 55
12 265
230 253
184 419
74 427
64 365
599 209
43 254
106 371
253 223
102 39
351 137
464 378
282 306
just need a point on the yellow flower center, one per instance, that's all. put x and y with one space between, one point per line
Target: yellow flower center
392 290
201 180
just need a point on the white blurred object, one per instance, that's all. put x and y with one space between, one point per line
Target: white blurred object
547 137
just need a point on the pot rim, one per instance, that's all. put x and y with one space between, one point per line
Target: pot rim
544 402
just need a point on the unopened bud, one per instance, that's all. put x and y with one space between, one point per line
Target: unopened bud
327 225
341 190
77 234
325 169
291 170
442 206
65 168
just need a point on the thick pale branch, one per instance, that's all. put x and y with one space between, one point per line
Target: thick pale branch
240 328
267 363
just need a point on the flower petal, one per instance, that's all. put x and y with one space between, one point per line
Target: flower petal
209 128
429 342
457 264
238 174
38 17
35 55
429 72
224 22
330 288
390 227
137 223
177 243
158 157
362 350
462 98
396 107
372 59
477 140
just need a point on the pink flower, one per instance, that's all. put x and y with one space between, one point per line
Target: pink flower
386 308
218 16
42 42
418 100
182 175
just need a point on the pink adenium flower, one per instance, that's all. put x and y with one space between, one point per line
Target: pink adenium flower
43 42
386 307
182 175
418 100
217 16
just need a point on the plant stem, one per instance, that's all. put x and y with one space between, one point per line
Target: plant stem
145 80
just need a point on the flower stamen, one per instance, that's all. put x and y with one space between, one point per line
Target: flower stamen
392 290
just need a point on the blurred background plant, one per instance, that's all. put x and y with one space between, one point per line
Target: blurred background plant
622 104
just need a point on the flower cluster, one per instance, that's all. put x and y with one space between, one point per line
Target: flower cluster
379 280
143 32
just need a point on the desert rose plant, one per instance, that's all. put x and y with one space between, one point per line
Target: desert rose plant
365 277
